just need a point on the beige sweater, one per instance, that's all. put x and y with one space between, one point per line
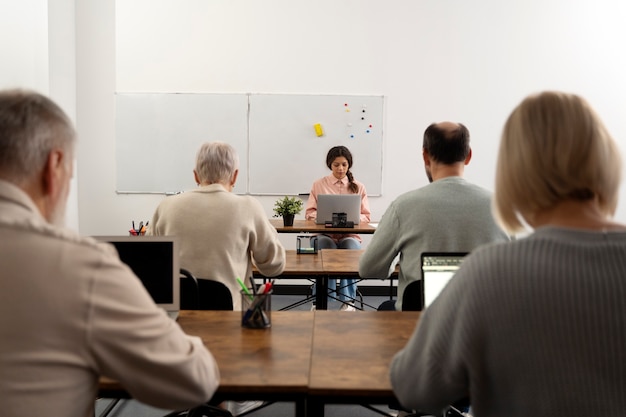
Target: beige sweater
71 311
221 234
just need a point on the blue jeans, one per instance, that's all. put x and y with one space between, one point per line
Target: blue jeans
347 286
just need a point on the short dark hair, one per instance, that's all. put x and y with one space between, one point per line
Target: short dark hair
447 146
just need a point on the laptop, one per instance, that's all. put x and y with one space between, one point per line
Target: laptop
327 204
155 260
437 269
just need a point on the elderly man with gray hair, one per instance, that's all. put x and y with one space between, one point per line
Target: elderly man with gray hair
70 310
221 233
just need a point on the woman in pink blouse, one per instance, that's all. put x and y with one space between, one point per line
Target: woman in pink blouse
340 181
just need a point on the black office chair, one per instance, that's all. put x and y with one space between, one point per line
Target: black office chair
203 294
204 410
413 296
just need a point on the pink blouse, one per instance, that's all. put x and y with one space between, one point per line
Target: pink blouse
331 185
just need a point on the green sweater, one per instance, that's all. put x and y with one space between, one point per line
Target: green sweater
535 327
448 215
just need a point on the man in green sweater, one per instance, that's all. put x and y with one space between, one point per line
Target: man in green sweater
448 215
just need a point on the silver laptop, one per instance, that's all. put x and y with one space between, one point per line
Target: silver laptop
437 269
327 204
155 260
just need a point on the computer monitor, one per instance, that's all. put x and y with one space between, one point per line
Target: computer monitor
437 269
327 204
155 260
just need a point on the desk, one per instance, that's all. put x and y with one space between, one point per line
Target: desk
309 226
312 359
341 261
271 365
351 356
327 263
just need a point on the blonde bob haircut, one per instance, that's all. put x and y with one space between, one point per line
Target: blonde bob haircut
554 148
216 162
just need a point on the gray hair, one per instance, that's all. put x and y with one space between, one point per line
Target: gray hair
31 126
216 162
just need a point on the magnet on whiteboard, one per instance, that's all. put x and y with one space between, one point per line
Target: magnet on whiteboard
318 129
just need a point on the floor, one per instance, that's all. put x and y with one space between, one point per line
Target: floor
133 408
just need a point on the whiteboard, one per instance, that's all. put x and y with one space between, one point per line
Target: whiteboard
280 152
158 136
286 153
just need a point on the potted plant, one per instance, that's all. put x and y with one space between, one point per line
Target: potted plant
287 207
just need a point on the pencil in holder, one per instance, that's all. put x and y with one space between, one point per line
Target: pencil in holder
256 310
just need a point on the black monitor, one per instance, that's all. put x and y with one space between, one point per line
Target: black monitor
154 259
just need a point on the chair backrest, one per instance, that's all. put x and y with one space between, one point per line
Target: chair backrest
203 294
213 295
188 290
413 296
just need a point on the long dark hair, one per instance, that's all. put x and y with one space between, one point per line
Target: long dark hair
336 152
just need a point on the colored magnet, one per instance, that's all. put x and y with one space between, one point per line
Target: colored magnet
318 129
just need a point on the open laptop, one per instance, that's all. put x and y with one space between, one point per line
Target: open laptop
327 204
155 260
437 269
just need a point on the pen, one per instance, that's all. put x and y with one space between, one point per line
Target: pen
253 284
245 289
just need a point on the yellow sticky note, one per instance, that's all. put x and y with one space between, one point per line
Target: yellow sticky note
318 129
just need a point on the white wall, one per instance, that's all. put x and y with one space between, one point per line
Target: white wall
37 45
434 60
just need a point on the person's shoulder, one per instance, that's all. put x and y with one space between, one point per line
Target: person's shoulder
79 245
248 201
477 188
323 180
410 197
359 184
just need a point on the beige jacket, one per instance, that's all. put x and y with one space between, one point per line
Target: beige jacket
71 312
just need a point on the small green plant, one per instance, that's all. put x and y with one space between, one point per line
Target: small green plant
287 205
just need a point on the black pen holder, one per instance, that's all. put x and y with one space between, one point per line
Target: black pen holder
256 310
340 219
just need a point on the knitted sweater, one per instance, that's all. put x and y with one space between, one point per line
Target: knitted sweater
221 233
535 327
448 215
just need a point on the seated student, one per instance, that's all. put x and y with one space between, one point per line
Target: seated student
448 215
340 181
220 233
70 310
537 326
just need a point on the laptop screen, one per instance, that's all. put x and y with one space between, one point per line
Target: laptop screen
327 204
437 269
154 259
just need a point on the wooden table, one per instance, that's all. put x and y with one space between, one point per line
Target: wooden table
265 364
309 226
326 264
351 356
309 358
341 261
